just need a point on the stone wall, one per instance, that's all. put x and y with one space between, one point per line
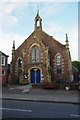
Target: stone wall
49 48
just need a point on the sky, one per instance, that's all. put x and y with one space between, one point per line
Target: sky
58 18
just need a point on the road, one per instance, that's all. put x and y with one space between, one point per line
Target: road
29 109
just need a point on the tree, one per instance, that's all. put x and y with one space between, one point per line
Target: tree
76 64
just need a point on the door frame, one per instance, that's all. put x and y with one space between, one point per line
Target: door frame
29 75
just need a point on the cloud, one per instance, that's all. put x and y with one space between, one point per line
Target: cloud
53 26
73 33
49 8
8 21
53 8
58 32
9 7
13 0
6 42
39 0
7 18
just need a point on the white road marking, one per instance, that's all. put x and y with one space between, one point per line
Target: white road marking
73 115
16 109
11 88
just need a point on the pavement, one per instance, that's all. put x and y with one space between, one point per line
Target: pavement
29 93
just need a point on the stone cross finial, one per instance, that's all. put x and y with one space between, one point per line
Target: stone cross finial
38 10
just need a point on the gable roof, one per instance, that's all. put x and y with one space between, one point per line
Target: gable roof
46 39
3 54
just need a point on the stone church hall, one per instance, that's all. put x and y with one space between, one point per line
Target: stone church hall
41 59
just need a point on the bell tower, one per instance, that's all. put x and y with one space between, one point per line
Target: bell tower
38 22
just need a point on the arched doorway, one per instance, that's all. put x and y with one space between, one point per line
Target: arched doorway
35 75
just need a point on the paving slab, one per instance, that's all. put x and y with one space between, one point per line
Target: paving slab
40 94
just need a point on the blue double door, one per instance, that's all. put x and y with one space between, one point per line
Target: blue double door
35 76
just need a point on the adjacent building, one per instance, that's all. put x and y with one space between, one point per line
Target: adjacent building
3 68
75 74
41 59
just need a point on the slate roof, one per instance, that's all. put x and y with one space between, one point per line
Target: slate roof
4 54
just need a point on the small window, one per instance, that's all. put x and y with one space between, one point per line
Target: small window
3 60
58 64
3 72
19 63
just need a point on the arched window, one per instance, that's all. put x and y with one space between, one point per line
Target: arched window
58 63
35 54
19 63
